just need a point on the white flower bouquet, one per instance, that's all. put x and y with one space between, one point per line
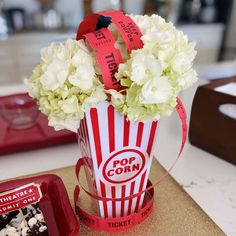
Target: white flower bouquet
112 85
68 77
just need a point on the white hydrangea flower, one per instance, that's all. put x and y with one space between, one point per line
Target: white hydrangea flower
154 91
68 76
69 123
117 99
188 78
69 105
82 57
144 67
55 74
62 51
136 114
154 75
98 95
33 84
63 81
83 77
182 60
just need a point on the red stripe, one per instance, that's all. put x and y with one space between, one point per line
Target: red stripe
96 134
111 133
82 126
87 138
123 202
103 191
126 132
140 189
139 134
131 193
85 133
79 135
151 137
113 194
111 127
82 129
83 150
149 149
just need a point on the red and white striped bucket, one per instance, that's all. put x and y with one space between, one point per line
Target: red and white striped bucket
118 156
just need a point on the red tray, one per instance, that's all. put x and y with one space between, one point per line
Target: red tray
38 136
55 205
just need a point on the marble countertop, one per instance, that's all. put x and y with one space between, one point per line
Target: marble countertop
210 181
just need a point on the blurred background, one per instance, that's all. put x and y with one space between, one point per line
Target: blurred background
26 26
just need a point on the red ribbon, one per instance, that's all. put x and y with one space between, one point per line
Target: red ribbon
108 57
127 27
114 224
102 41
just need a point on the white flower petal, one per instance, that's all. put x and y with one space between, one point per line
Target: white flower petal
55 74
157 90
69 105
69 123
117 98
83 77
144 67
188 78
82 58
98 95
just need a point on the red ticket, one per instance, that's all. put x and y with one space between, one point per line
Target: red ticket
108 57
103 42
19 198
127 27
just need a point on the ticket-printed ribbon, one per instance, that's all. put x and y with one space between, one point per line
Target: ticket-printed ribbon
114 224
20 197
108 57
102 41
127 27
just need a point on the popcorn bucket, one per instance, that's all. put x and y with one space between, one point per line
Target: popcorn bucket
116 153
117 157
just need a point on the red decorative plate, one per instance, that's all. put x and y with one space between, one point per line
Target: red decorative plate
54 204
38 136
